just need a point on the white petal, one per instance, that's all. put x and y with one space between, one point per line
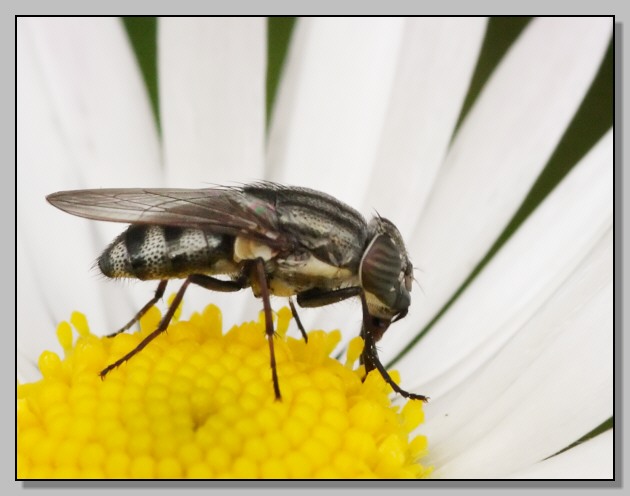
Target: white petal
499 151
331 103
212 99
521 277
551 383
60 146
99 99
26 367
419 114
35 322
435 63
433 71
592 460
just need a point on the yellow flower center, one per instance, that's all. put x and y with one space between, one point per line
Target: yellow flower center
197 403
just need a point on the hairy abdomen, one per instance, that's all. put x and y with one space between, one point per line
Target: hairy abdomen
162 252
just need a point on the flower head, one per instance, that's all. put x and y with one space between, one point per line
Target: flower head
199 404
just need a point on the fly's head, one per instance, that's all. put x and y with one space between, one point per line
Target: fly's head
386 275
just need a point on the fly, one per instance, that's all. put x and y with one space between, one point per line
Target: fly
277 240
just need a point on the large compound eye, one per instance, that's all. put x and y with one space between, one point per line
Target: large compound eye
380 270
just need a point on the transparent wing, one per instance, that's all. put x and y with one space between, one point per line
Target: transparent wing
221 210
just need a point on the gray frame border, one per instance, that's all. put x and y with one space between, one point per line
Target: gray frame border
340 7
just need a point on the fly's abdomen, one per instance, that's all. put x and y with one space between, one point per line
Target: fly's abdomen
162 252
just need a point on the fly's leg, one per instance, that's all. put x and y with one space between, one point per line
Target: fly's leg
297 320
160 329
318 298
258 269
371 330
198 279
218 284
159 292
312 298
374 327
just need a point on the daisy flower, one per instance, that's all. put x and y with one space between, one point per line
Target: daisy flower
510 331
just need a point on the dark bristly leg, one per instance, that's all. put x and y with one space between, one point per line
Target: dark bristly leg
371 330
160 329
312 298
369 356
213 284
259 268
159 292
297 320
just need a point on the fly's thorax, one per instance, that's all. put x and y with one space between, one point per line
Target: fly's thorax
314 221
161 252
294 272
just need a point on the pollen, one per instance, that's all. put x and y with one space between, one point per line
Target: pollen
198 403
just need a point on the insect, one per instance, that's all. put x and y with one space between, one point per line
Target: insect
275 239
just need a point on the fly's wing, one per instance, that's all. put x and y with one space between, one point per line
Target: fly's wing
222 210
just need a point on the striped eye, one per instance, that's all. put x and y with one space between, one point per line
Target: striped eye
382 273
